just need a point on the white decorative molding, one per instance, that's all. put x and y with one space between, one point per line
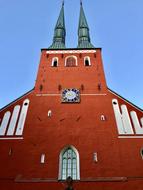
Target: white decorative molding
122 120
48 94
22 118
4 123
141 121
11 138
93 94
70 51
11 126
13 121
126 120
137 126
130 137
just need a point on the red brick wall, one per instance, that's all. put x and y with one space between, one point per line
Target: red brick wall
78 125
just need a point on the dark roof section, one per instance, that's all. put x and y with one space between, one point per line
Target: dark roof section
16 100
125 99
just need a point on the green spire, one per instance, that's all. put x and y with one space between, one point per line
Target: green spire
83 31
60 32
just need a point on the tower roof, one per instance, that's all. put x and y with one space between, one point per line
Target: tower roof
61 20
82 18
83 31
59 32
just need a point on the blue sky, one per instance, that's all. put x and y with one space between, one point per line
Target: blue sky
26 26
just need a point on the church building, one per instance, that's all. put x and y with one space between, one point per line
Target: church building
71 131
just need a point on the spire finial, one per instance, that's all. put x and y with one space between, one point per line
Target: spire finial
60 31
63 3
83 30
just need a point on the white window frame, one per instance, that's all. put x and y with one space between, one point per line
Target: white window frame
69 57
87 58
22 118
57 59
60 162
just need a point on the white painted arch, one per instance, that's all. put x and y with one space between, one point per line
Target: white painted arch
87 58
55 59
4 123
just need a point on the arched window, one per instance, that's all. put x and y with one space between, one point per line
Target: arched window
103 118
69 163
87 61
71 61
55 62
49 113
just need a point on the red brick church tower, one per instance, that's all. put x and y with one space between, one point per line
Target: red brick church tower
71 125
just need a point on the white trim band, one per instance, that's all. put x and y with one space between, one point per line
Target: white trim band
81 94
70 51
11 138
130 137
93 94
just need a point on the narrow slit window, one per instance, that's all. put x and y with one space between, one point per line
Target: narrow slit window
42 158
55 62
10 152
49 113
87 61
103 118
95 157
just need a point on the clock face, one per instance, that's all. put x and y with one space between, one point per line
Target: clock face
70 95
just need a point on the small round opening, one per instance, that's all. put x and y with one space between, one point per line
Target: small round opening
26 104
115 103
